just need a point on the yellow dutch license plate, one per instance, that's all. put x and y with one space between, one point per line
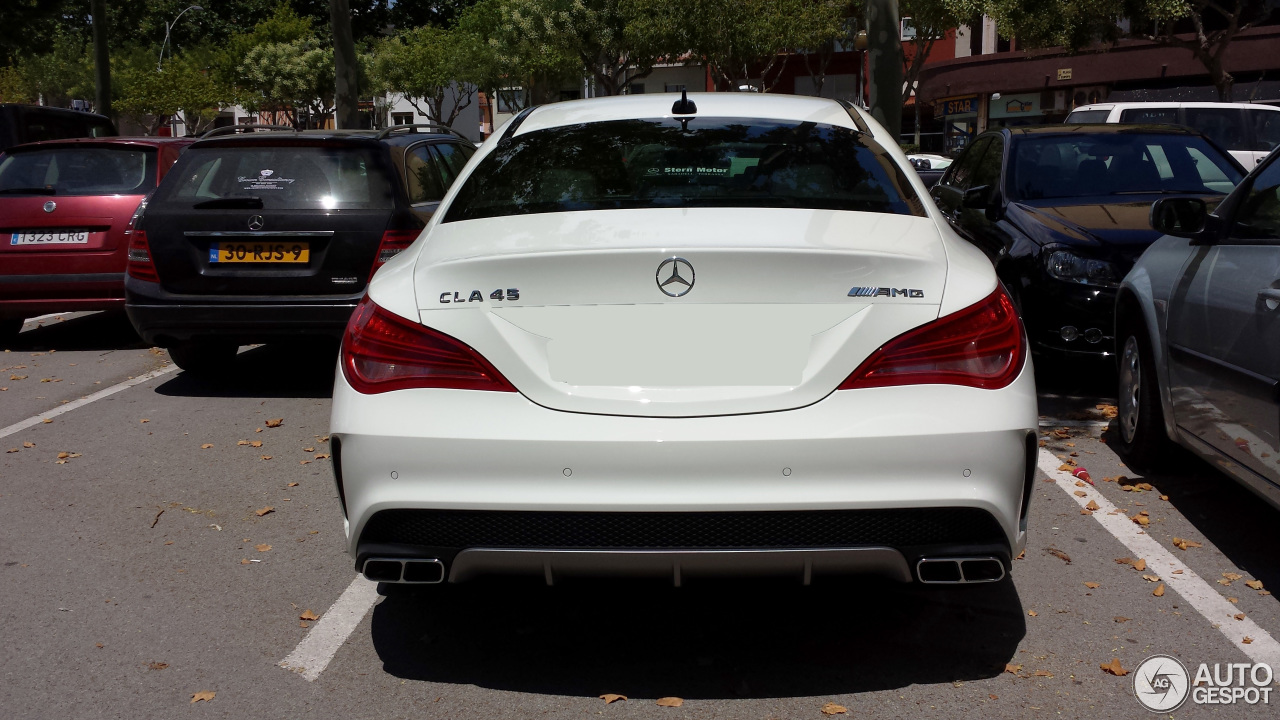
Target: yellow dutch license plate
260 252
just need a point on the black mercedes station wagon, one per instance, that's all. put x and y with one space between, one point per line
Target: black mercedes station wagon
265 234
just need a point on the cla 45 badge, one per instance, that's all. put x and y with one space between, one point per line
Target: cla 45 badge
477 296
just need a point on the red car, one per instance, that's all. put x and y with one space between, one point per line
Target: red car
64 209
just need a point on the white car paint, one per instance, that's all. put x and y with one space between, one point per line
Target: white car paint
630 401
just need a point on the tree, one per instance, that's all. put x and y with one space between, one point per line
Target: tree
287 78
931 20
613 39
1075 24
507 62
742 40
431 66
12 88
58 76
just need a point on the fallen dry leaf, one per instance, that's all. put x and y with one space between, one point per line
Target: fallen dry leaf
834 709
1247 640
1085 511
266 457
670 702
205 695
1114 668
1223 582
158 665
1151 578
242 442
994 697
1233 601
1239 616
255 443
28 445
1081 493
1093 585
145 420
1067 466
303 462
1141 519
206 446
1121 619
308 449
1140 565
1164 497
1159 591
64 455
1059 554
1143 486
1092 506
322 456
1012 669
612 698
275 423
303 624
1108 411
1255 584
262 547
1042 673
264 511
1124 561
308 615
244 561
1032 613
1232 576
1183 543
13 450
17 377
292 484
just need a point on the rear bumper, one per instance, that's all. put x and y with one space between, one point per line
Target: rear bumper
165 319
1050 305
490 482
31 295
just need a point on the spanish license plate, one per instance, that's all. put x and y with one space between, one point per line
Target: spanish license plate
49 238
260 252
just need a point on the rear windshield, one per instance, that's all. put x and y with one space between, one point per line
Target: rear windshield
702 162
1087 116
290 177
1084 165
78 170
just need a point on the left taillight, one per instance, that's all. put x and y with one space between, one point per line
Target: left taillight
140 264
981 346
382 351
393 243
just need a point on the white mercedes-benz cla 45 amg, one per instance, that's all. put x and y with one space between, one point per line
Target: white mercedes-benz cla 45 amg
679 337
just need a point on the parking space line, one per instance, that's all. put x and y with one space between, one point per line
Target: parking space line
61 409
1206 601
313 653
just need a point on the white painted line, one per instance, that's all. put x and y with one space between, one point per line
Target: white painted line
315 651
1206 601
38 419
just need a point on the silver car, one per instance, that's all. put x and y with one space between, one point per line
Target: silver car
1198 326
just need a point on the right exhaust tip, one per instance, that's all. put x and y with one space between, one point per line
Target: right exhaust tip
959 570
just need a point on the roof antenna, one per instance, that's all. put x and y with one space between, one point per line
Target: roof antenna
684 106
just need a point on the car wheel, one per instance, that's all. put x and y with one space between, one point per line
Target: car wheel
203 357
1143 442
9 328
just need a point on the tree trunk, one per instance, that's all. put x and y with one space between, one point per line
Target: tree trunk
347 100
101 61
885 55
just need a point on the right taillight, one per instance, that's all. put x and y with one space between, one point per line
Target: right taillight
382 351
140 264
981 346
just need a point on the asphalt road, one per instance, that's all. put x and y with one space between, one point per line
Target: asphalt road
137 571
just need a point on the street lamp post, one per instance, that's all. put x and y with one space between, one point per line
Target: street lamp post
167 28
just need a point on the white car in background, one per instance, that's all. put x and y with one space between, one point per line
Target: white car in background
936 162
1198 321
1248 131
731 334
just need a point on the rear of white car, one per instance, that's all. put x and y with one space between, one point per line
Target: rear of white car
723 337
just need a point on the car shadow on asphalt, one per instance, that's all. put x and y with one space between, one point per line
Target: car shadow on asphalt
713 640
91 331
299 369
1238 522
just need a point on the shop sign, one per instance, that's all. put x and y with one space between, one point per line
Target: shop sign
965 105
1015 106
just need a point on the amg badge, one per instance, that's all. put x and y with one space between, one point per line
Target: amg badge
885 292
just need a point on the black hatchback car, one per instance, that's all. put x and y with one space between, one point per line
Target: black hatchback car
263 234
1062 213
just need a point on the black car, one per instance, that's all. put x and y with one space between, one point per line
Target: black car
1062 212
260 236
21 124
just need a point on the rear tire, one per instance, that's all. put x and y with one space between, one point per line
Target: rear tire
1142 441
203 358
9 329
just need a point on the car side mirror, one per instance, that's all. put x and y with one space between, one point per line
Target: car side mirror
1184 217
975 198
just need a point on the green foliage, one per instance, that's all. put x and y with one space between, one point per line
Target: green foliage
430 65
288 77
12 88
59 75
183 87
508 57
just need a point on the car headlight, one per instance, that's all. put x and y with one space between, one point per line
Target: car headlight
1067 266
